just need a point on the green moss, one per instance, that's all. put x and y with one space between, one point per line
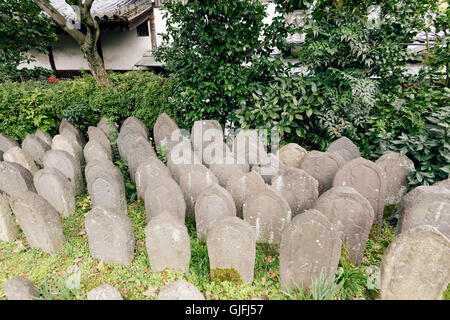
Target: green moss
269 249
390 210
228 274
377 243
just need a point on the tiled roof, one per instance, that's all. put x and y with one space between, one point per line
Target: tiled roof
115 10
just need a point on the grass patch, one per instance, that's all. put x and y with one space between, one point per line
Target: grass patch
72 272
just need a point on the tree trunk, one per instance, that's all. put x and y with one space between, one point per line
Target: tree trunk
96 65
90 52
87 42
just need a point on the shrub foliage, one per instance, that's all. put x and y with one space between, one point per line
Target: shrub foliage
26 107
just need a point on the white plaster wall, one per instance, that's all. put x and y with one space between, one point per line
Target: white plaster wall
41 60
121 50
160 24
67 54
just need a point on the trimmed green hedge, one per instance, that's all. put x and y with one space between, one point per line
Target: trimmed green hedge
26 107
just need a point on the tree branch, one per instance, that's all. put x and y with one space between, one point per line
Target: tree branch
60 20
88 4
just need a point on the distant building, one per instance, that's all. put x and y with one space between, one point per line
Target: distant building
129 33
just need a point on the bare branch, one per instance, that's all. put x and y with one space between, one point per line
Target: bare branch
60 20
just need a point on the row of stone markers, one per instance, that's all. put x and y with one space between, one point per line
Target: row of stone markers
39 181
238 194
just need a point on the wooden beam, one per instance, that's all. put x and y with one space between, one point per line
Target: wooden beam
134 22
51 58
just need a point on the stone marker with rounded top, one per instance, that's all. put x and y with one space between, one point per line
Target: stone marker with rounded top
163 130
292 154
140 151
106 185
212 205
66 163
68 144
243 185
97 134
415 266
110 235
17 155
368 179
268 212
345 148
297 187
248 145
67 128
35 148
180 158
179 137
425 206
445 184
351 215
168 243
45 137
40 222
19 288
164 195
228 166
109 128
268 167
309 246
7 143
397 168
15 179
204 132
93 150
231 244
149 171
192 182
127 136
54 187
215 152
180 290
104 292
133 122
8 228
322 166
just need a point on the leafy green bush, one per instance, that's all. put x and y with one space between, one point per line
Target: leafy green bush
217 52
305 111
413 119
23 27
26 107
351 84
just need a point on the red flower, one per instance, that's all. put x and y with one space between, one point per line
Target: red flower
53 80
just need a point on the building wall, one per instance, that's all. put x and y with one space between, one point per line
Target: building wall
160 24
121 50
67 54
41 60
